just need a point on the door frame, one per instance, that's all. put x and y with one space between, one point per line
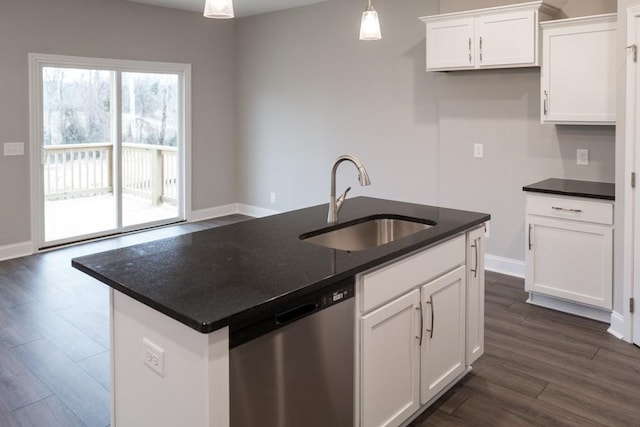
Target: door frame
631 209
37 62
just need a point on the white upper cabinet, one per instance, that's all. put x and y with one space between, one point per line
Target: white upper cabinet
578 75
498 37
450 44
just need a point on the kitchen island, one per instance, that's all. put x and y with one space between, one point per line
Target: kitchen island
177 301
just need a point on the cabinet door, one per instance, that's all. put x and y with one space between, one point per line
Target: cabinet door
390 349
570 260
442 357
507 39
578 74
475 295
450 44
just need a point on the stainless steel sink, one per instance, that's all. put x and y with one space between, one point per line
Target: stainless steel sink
367 234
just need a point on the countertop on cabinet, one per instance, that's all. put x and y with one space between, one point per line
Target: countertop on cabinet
227 275
570 187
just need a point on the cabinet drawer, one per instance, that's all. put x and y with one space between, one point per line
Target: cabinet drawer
577 209
395 279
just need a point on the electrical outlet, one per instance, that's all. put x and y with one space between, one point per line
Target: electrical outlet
273 197
153 356
14 148
478 151
582 157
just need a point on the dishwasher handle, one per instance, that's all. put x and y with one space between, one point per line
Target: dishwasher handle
296 313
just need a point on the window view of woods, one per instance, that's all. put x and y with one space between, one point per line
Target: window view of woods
150 109
77 107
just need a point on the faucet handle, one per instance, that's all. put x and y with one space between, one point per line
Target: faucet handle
342 198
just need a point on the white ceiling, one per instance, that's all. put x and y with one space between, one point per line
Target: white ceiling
241 7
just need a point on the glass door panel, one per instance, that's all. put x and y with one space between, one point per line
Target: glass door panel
77 153
150 144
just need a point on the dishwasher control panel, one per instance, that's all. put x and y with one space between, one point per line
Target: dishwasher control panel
336 296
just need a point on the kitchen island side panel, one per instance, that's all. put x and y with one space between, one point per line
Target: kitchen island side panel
194 387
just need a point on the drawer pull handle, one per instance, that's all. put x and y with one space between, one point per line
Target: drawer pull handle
430 302
555 208
474 270
419 337
530 227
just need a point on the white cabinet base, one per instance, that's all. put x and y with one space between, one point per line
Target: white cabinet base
595 313
194 388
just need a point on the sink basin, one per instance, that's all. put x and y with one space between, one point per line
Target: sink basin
367 233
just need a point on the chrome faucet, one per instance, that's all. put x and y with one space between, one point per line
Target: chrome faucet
335 205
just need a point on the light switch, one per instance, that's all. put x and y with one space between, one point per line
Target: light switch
14 149
478 151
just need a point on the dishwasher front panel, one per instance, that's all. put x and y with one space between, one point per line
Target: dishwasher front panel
299 375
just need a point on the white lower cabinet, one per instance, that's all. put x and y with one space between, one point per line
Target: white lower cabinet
442 355
414 340
390 338
569 249
475 295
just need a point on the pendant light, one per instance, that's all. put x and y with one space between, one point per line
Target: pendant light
219 9
370 26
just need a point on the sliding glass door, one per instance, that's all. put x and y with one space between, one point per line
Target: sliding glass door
77 153
112 146
150 144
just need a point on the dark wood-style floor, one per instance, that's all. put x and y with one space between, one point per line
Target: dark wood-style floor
541 367
54 334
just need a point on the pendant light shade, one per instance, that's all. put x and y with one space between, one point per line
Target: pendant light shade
219 9
370 26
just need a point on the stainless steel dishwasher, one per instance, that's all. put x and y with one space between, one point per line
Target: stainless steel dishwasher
296 367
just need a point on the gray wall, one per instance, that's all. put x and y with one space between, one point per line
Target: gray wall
310 91
501 109
121 30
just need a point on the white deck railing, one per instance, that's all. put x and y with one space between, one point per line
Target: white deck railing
80 170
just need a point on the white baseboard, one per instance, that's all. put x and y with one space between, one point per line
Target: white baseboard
617 325
255 211
233 208
16 250
589 312
510 267
215 212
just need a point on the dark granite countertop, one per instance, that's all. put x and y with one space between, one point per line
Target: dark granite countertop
570 187
227 275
